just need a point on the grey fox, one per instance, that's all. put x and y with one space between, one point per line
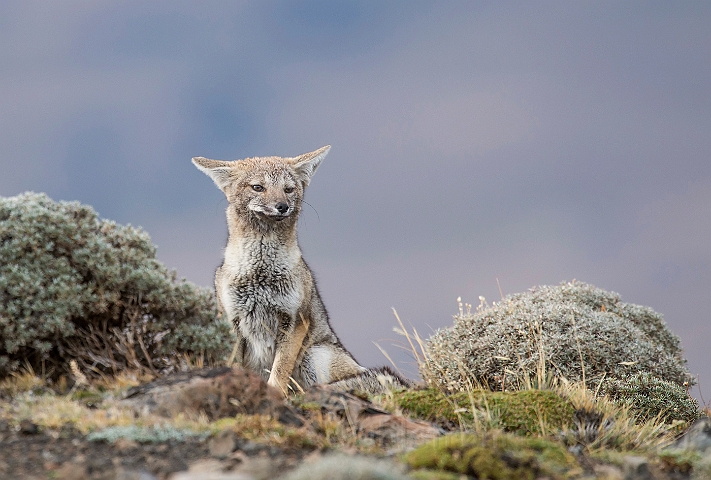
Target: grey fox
264 286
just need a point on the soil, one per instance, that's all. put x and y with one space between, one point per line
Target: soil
31 454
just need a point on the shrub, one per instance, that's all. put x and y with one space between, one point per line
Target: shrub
76 287
573 330
648 397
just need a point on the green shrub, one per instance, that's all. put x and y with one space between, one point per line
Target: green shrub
546 332
76 287
648 396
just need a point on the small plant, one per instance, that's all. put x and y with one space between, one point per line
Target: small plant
23 380
74 287
649 397
572 331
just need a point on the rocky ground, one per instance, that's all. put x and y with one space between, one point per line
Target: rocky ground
31 450
231 425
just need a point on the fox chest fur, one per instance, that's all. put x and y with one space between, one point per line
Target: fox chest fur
261 289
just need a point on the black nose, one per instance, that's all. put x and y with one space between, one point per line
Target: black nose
282 207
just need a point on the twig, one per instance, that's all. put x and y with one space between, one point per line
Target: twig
382 350
417 356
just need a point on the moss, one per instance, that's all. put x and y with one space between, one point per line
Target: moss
527 411
90 398
311 406
495 456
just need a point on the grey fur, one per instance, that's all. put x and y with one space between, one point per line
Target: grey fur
264 286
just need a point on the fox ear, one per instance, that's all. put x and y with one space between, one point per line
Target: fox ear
218 170
306 164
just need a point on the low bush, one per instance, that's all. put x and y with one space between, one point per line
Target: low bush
648 397
74 287
573 331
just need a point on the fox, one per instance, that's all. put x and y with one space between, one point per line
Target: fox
265 289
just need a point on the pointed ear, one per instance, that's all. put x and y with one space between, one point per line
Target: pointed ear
218 170
306 164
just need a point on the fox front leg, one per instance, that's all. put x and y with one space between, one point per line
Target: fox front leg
237 355
287 351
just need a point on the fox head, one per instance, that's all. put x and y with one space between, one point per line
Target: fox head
264 192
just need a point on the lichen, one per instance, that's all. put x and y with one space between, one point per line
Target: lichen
155 434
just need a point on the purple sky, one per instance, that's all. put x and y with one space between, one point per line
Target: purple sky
472 141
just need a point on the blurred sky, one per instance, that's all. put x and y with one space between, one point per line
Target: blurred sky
524 142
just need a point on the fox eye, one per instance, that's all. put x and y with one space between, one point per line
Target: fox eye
257 188
288 189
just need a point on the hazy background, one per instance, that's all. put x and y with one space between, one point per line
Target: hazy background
529 142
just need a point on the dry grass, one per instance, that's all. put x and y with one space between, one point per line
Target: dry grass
603 424
24 380
705 406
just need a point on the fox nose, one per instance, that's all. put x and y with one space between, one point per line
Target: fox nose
282 207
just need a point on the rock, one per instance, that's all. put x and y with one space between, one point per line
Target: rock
124 444
209 469
210 476
122 474
251 448
637 468
262 468
368 420
697 437
218 392
343 404
70 471
608 472
28 428
223 444
343 467
397 430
